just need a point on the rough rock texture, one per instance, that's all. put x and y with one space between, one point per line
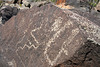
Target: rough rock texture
98 6
73 2
87 56
6 12
87 15
45 36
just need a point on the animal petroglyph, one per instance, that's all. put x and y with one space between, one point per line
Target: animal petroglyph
55 36
57 24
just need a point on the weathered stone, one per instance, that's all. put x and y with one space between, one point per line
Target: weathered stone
7 12
73 2
45 36
87 15
86 56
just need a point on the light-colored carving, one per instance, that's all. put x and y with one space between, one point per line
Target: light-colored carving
35 39
20 58
24 33
57 24
31 45
25 46
67 42
12 63
40 12
90 28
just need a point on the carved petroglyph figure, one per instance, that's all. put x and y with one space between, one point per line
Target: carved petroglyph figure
32 35
62 49
58 29
30 44
57 24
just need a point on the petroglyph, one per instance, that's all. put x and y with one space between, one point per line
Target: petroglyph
30 45
12 63
22 48
46 37
70 38
35 40
56 35
89 28
25 46
39 12
20 57
67 42
31 31
57 24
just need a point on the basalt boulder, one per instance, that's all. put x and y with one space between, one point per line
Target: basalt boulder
6 12
48 36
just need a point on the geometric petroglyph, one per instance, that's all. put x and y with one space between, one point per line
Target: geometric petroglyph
31 36
29 46
28 43
74 32
25 56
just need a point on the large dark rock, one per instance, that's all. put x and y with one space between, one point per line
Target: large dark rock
6 12
45 36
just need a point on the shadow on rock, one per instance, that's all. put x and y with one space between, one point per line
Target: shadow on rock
87 56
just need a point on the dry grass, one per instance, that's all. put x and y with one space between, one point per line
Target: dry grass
62 5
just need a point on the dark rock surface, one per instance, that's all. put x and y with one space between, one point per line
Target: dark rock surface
73 2
87 56
87 15
6 12
46 36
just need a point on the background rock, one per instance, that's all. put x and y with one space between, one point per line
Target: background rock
98 6
7 12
